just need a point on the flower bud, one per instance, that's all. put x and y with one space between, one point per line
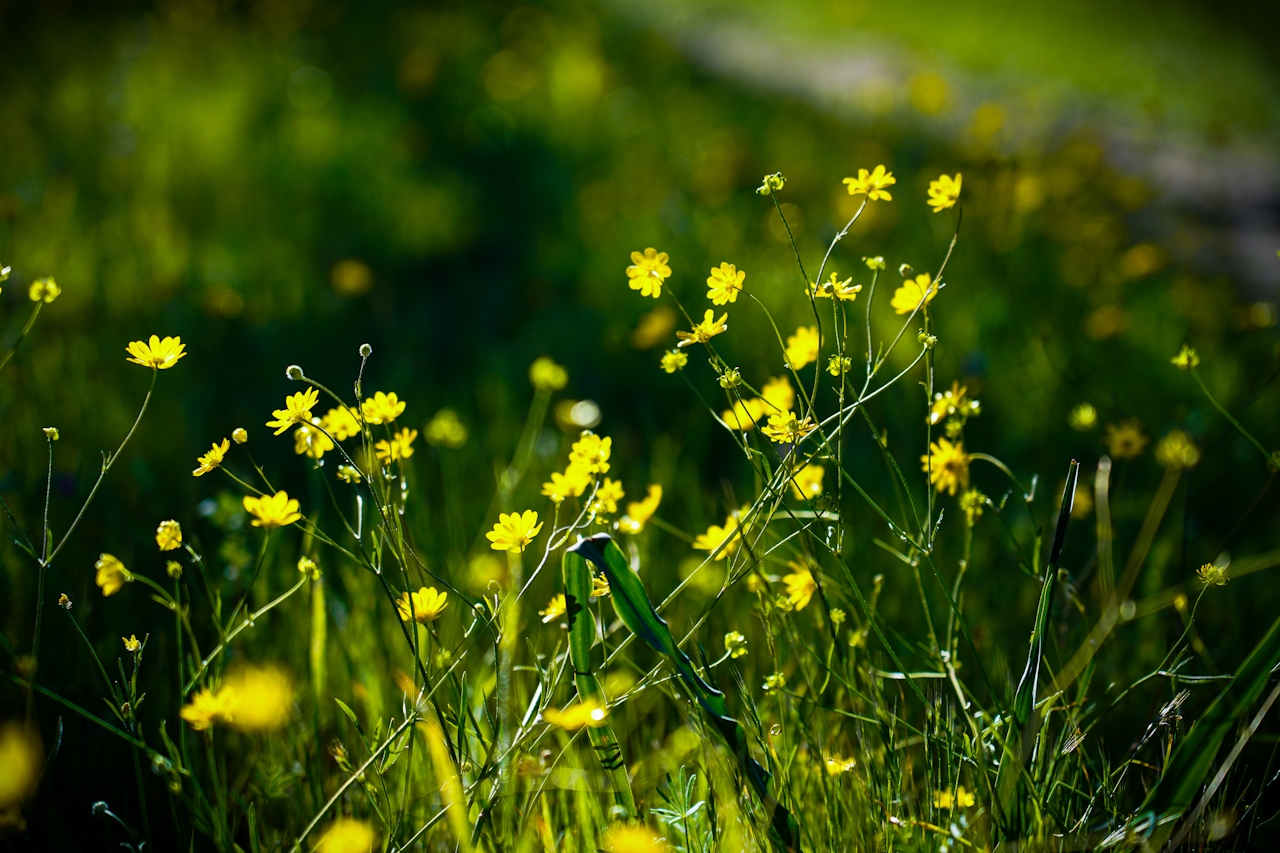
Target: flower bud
365 350
240 435
51 433
293 372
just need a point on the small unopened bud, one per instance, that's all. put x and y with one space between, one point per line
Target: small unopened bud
365 350
51 433
240 435
928 340
64 602
730 379
293 372
174 569
906 271
99 808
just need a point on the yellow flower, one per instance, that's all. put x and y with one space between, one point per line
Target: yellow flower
572 483
947 465
943 799
876 263
382 408
347 474
239 435
836 765
914 293
704 331
272 511
555 609
807 482
648 271
169 535
591 452
633 838
673 361
211 460
157 354
422 606
872 183
802 347
639 512
1125 441
297 410
778 394
51 433
111 574
952 402
725 283
775 681
1177 451
588 713
399 447
1186 359
261 698
599 586
607 497
771 184
735 645
717 536
800 585
788 428
1212 575
514 531
209 707
44 290
21 758
744 414
173 569
131 643
944 192
347 835
445 430
311 441
341 423
845 291
973 501
308 567
838 365
546 375
1083 417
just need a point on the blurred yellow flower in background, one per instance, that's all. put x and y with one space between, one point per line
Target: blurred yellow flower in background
341 423
573 717
446 430
807 482
648 271
947 465
272 511
716 536
169 535
554 610
546 375
1177 452
1125 440
514 531
962 799
309 440
347 835
673 361
802 347
399 447
111 574
21 758
209 707
800 584
639 512
157 354
607 497
44 290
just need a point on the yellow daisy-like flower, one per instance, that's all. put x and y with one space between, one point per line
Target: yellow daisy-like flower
607 496
341 423
169 535
800 585
648 271
310 440
1126 440
399 447
673 361
802 347
272 511
953 402
947 465
382 408
914 293
588 713
788 428
1177 451
157 354
704 331
514 531
639 512
111 574
725 283
807 482
944 192
422 606
771 184
347 835
297 410
836 765
834 288
43 290
209 707
546 375
446 430
131 643
572 483
211 460
591 453
717 536
943 799
872 183
261 698
555 609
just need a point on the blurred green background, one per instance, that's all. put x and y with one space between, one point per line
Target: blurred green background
461 184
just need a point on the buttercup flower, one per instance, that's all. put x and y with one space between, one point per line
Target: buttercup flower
111 574
774 682
591 452
308 567
131 643
588 713
947 465
158 354
43 290
272 511
546 375
973 501
514 531
297 410
802 347
953 402
845 291
607 497
239 436
807 482
876 263
704 331
777 394
309 440
169 535
341 423
51 433
633 838
347 835
914 293
836 765
744 414
735 645
1126 440
446 430
1177 451
1083 417
572 483
838 365
717 536
872 183
1212 575
944 192
771 184
788 428
943 799
211 460
648 271
555 609
422 606
382 408
639 512
800 585
673 361
261 698
1186 359
399 447
724 284
209 707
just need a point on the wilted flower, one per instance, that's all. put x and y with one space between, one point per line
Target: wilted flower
876 263
308 567
771 184
51 433
131 643
347 474
211 460
838 365
1186 358
1212 575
